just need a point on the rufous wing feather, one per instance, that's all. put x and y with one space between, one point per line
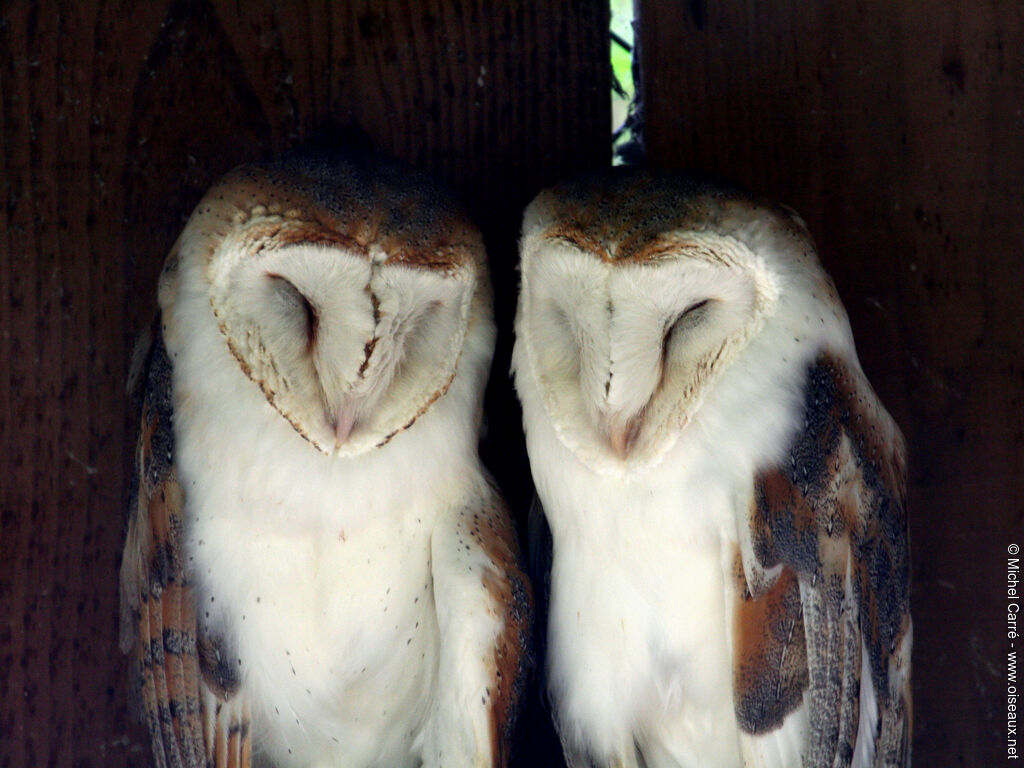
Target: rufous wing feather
186 701
822 581
510 589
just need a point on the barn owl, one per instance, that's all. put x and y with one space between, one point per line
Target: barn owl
725 493
318 571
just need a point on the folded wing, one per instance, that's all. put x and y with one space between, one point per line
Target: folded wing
822 629
182 683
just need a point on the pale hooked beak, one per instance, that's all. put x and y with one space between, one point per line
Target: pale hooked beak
623 434
345 420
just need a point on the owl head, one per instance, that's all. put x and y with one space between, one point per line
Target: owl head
343 287
639 291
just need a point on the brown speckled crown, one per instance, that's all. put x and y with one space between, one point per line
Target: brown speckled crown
360 202
621 214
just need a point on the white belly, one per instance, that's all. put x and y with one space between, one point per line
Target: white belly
639 651
336 635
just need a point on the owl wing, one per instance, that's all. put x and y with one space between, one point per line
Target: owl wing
484 607
822 628
181 682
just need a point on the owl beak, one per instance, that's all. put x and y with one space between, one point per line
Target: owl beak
345 420
623 434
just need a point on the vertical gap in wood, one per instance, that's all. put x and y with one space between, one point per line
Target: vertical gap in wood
637 115
626 139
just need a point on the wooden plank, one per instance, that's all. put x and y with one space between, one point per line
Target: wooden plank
114 118
896 131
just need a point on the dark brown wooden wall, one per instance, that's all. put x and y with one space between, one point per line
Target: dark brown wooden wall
894 128
114 119
897 131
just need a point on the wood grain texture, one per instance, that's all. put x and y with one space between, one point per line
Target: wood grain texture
114 119
896 131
